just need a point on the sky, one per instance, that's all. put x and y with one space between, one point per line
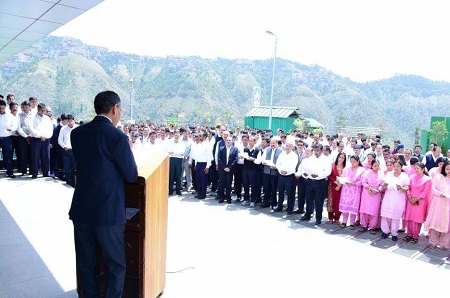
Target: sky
359 39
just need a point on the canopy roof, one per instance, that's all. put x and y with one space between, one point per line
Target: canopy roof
277 112
23 22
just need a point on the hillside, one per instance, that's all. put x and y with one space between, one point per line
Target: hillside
66 74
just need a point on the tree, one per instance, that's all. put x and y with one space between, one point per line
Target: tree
417 135
438 133
307 126
298 123
340 123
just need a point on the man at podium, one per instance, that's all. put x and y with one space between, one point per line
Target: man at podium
104 163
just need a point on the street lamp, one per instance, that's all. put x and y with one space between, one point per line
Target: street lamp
132 88
273 77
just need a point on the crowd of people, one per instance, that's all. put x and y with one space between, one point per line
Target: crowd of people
37 139
364 182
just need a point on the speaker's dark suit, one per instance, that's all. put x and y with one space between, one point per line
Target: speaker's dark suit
225 178
104 163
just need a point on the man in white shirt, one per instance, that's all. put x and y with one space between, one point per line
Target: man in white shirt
203 157
9 99
286 163
176 153
300 182
237 175
430 160
145 136
379 157
191 159
340 148
186 170
68 161
33 105
24 158
41 128
7 127
315 170
14 110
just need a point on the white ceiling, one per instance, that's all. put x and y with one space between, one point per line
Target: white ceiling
23 22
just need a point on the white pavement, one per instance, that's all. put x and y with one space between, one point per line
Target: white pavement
222 251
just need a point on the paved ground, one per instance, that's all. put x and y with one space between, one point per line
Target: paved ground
216 250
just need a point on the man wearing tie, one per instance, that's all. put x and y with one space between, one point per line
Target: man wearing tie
227 159
270 174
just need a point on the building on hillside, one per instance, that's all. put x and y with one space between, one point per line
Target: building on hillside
312 124
282 117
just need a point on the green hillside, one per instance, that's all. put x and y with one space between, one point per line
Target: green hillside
66 74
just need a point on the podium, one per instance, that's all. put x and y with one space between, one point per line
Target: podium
146 202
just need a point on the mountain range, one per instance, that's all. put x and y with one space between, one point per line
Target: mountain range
66 74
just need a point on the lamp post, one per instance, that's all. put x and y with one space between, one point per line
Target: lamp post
273 77
132 88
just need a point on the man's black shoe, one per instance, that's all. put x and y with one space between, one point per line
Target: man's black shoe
229 200
33 177
278 209
318 222
298 211
305 218
178 193
221 200
264 205
289 212
12 176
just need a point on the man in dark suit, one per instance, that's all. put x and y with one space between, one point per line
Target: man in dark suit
226 160
104 163
270 174
56 150
430 160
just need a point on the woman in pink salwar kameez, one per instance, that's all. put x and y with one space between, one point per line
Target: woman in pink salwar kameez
389 166
409 170
438 219
369 208
367 164
395 185
351 192
418 197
